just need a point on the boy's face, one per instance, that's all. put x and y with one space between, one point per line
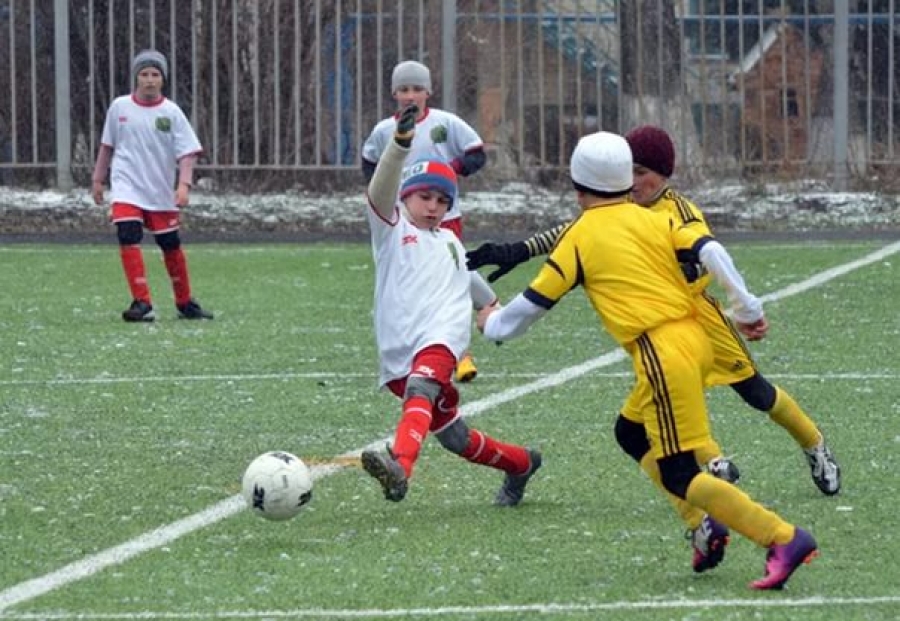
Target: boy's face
406 95
426 208
647 184
149 84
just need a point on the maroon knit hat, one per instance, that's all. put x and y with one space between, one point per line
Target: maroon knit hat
651 147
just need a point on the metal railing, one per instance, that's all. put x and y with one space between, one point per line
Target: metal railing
283 92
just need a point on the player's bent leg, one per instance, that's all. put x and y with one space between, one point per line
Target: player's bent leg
761 394
710 537
519 463
419 397
788 547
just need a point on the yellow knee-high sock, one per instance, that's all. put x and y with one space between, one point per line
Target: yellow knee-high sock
736 510
692 516
788 414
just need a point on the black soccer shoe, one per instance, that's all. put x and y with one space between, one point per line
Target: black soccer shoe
139 311
192 310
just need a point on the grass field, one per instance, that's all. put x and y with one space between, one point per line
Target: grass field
122 447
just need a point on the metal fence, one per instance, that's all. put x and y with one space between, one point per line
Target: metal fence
283 92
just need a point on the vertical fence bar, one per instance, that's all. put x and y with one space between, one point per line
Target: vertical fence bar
870 86
337 73
63 95
275 128
448 54
358 72
840 122
93 136
892 42
318 82
297 91
520 84
254 51
32 43
13 100
195 104
214 70
379 68
173 52
235 79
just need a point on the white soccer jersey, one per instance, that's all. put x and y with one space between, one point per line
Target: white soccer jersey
440 134
147 142
421 292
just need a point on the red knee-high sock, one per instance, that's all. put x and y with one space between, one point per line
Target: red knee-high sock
176 265
411 432
487 451
135 273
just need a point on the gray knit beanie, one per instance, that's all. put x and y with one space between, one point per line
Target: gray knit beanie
150 58
410 73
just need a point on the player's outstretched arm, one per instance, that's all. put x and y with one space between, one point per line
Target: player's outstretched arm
385 183
746 308
508 256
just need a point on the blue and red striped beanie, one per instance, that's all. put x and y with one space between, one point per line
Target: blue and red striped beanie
429 175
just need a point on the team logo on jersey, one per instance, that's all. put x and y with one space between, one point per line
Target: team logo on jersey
439 134
163 123
454 253
409 239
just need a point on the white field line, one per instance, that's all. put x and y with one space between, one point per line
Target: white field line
265 377
90 565
466 611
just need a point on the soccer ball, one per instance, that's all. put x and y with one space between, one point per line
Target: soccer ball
277 485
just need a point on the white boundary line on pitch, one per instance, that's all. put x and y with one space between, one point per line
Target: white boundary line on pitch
449 611
94 563
263 377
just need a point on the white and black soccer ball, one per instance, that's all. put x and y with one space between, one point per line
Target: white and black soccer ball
277 485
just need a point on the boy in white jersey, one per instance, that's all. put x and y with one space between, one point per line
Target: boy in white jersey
147 138
422 320
439 135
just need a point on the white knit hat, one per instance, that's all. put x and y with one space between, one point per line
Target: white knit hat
602 162
410 73
150 58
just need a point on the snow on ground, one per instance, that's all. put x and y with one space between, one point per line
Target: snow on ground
511 211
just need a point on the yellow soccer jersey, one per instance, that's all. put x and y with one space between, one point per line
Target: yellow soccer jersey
685 213
624 256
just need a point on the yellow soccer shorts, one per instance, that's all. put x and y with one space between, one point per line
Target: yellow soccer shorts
731 360
670 363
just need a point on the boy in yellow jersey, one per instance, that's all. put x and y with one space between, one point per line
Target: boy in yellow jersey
624 257
654 160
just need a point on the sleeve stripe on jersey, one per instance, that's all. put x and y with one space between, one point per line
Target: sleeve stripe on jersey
727 322
665 417
684 210
698 245
537 299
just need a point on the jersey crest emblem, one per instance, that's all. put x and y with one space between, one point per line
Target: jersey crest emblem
163 123
439 134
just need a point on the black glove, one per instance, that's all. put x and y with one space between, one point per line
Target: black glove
692 271
504 256
406 126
